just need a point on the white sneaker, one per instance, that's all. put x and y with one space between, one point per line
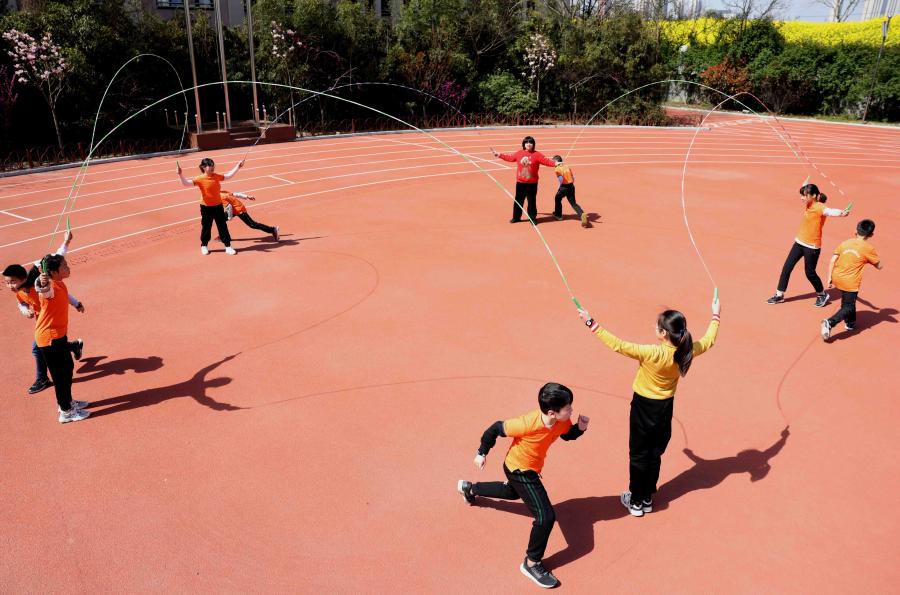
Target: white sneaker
230 251
204 250
635 509
825 329
73 414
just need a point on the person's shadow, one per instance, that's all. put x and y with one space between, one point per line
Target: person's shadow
195 388
576 517
94 369
706 474
866 319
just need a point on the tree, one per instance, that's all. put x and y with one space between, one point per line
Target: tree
540 58
8 96
40 64
840 9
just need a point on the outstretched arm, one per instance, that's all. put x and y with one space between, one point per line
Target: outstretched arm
234 170
503 156
184 181
544 160
632 350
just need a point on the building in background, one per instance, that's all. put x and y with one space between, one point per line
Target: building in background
880 8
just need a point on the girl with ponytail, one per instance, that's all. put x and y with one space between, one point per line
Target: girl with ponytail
652 406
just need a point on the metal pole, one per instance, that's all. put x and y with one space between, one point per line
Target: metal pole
252 58
222 60
187 24
884 31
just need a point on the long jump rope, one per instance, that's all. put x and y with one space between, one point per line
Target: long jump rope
784 135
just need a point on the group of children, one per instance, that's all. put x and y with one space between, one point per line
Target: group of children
219 206
528 161
42 295
659 368
845 268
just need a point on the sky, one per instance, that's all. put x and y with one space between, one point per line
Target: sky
801 10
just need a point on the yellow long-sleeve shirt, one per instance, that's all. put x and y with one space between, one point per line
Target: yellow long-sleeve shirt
658 374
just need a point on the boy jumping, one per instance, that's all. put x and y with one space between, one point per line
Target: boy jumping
566 178
845 272
532 435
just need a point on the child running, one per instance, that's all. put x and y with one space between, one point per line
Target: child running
808 244
652 404
234 207
566 178
21 283
845 272
211 202
532 435
50 335
528 161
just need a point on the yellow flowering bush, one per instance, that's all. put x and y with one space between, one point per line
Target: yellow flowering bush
706 31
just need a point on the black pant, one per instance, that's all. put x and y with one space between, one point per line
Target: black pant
847 313
527 486
525 192
810 258
59 362
246 218
651 429
565 191
207 216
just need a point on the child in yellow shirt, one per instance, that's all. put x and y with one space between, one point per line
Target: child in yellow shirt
652 405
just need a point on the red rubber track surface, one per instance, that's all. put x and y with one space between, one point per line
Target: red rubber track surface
295 418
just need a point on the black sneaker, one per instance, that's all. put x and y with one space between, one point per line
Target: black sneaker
557 217
775 299
647 505
822 299
465 488
540 575
39 385
849 326
634 508
77 348
514 220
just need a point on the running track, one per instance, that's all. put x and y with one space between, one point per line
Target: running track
295 418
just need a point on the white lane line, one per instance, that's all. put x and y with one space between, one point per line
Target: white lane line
326 191
16 216
280 179
192 202
168 192
355 143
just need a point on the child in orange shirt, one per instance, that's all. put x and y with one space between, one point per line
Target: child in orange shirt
532 435
566 178
211 208
234 207
808 244
21 283
50 334
845 272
